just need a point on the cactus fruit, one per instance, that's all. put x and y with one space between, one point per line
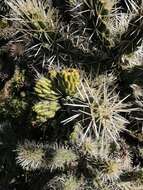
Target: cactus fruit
68 81
44 89
45 110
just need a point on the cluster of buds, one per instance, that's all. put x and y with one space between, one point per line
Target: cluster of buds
46 110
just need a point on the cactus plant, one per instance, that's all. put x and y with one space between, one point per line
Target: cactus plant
62 158
30 155
100 108
71 91
68 81
38 17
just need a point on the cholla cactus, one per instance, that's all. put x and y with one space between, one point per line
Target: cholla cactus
76 135
45 110
62 158
74 2
107 79
111 170
68 81
101 108
141 152
108 4
78 126
95 148
98 12
37 17
34 16
44 89
30 156
134 59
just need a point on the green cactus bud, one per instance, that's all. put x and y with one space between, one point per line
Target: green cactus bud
68 81
43 89
45 110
